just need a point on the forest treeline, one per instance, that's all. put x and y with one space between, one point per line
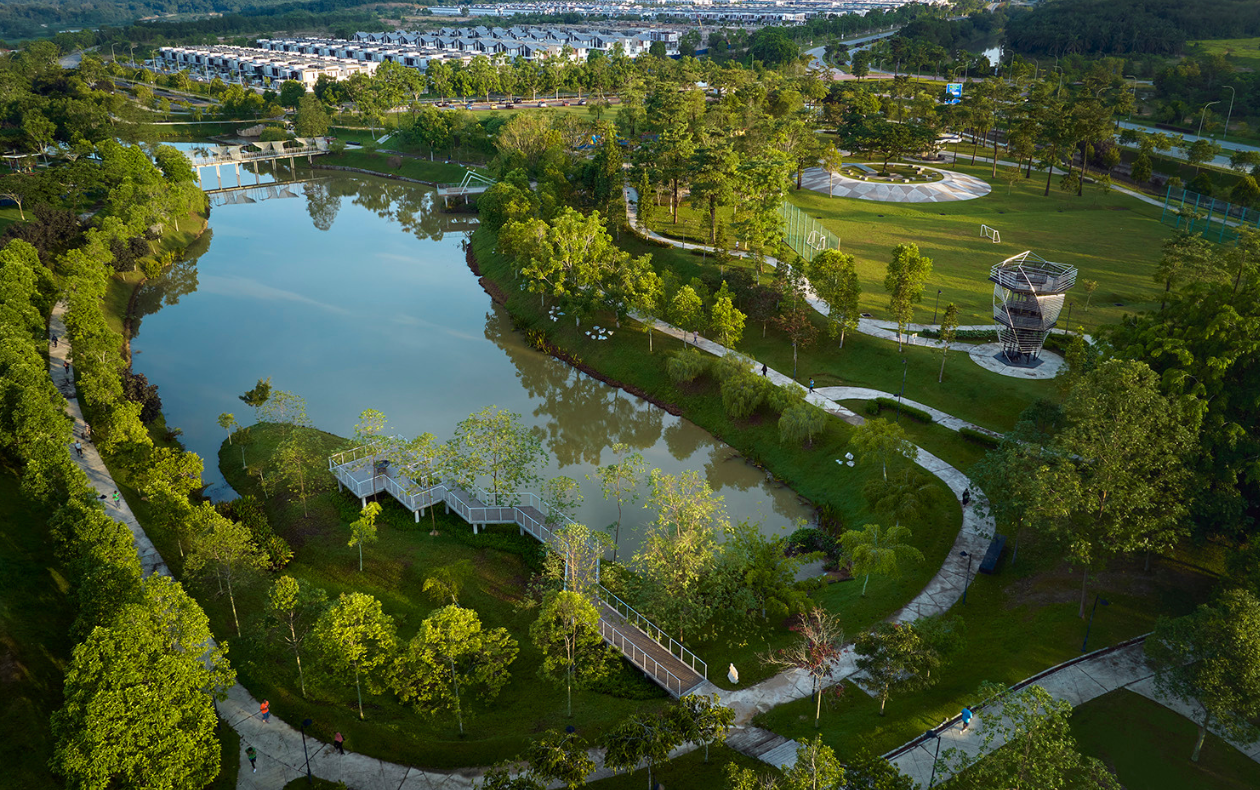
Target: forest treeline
1120 27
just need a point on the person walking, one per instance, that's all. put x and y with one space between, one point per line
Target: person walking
265 711
66 367
87 432
54 339
763 368
253 758
78 448
811 386
117 500
339 741
966 498
966 718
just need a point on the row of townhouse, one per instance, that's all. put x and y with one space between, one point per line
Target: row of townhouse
237 63
778 12
527 41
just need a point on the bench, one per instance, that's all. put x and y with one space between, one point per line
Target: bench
989 564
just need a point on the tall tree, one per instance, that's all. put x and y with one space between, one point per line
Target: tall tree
560 757
895 658
451 656
816 651
885 440
363 529
880 551
225 550
619 481
357 639
726 319
833 276
1188 257
702 719
1212 657
907 272
568 634
644 737
496 444
295 608
949 331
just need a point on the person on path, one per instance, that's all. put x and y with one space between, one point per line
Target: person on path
763 368
253 758
78 448
66 367
339 741
966 718
811 386
966 497
117 500
265 710
87 432
54 339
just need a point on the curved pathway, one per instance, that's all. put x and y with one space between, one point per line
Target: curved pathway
952 187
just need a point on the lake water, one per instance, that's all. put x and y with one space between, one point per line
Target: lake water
353 292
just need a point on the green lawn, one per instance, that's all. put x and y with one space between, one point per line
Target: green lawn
8 216
689 771
1149 746
1244 53
1016 624
968 391
37 607
950 446
1113 239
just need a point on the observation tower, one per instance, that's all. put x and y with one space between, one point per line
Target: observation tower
1028 296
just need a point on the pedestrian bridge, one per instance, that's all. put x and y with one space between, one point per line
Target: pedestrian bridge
373 469
217 156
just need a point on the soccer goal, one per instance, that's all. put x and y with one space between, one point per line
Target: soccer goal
990 233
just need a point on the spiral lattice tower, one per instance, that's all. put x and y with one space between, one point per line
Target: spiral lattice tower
1028 296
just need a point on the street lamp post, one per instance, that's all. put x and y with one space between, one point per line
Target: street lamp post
967 578
306 723
935 736
1059 89
1097 600
935 306
1203 115
1230 114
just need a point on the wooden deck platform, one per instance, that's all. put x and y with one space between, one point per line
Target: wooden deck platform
662 658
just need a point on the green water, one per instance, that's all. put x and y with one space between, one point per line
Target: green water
353 292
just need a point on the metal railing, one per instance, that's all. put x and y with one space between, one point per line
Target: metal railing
654 632
641 659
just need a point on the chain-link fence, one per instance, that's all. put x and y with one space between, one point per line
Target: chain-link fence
1218 220
804 234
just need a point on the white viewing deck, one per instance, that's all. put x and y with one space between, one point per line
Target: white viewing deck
367 471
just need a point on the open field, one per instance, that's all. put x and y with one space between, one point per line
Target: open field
1148 746
1113 239
1242 52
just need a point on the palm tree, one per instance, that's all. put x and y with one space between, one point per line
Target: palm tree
877 550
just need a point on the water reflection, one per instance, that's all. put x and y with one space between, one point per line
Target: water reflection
328 298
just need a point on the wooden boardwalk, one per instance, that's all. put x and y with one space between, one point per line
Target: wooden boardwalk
365 472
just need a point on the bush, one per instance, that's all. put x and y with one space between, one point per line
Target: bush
742 393
979 437
800 422
915 414
872 408
273 134
137 389
809 540
686 366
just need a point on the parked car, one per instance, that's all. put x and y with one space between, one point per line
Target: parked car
566 104
582 103
542 104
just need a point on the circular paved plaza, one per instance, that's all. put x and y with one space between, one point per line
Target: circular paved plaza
953 186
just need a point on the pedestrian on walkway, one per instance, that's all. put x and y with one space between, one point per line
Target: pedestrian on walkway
966 497
87 432
338 741
78 448
265 710
811 386
66 367
966 718
253 758
763 368
117 499
54 339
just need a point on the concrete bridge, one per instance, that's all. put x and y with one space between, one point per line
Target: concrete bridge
217 156
373 469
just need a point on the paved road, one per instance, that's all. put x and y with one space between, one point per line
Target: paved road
1219 161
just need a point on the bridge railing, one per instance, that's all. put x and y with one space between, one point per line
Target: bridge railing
640 659
654 632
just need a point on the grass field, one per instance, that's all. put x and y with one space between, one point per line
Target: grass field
420 169
1016 623
1242 52
1148 746
1113 239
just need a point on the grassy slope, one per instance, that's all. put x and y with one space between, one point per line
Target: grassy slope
395 568
969 391
1113 239
419 169
36 610
1149 746
1016 623
1242 52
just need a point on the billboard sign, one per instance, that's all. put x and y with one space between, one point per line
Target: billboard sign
954 91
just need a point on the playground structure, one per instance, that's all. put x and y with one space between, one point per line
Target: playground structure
1028 296
991 233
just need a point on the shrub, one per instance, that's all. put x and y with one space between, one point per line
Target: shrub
742 393
686 366
872 408
915 414
979 437
783 398
800 422
273 134
809 540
